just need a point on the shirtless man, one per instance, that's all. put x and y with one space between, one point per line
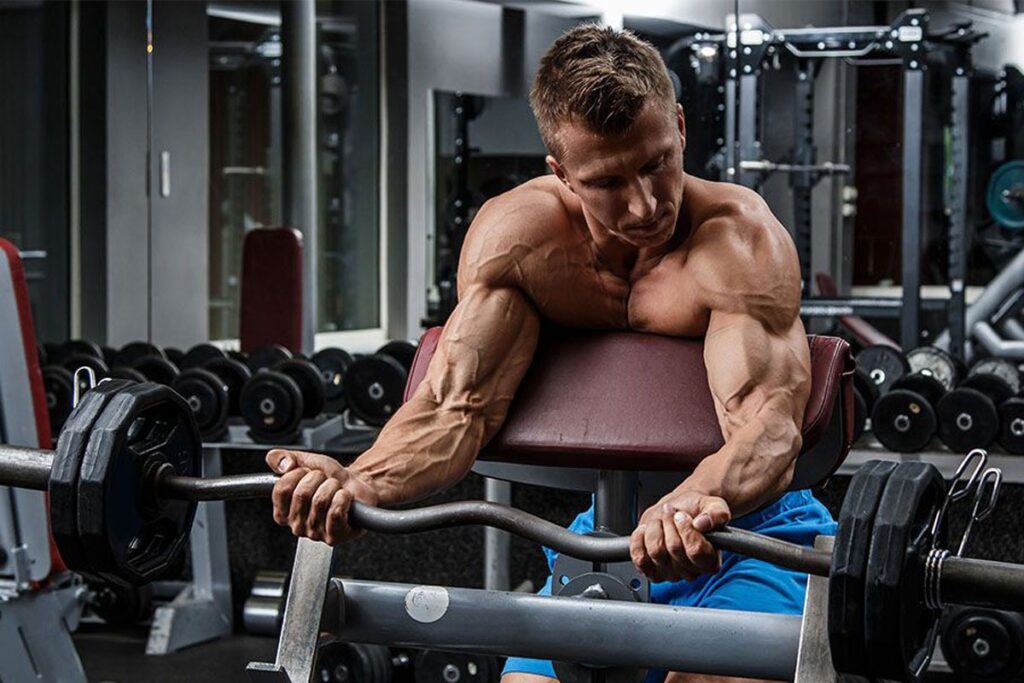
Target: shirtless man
618 237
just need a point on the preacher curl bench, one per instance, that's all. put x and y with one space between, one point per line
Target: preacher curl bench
625 416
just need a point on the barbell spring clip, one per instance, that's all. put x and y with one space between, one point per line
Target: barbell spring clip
958 488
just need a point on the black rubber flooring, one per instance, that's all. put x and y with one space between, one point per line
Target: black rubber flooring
120 657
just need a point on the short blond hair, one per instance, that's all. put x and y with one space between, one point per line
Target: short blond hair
600 77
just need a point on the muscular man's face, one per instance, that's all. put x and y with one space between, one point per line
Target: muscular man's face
630 185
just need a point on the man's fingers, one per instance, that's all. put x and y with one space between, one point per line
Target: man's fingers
282 494
654 545
337 528
713 515
700 551
638 551
679 562
301 499
280 460
316 523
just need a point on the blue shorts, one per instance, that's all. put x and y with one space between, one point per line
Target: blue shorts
742 583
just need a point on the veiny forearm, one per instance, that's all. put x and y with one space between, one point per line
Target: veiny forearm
432 441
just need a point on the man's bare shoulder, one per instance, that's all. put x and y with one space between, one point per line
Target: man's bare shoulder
510 227
739 251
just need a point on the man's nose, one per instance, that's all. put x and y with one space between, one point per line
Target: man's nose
641 201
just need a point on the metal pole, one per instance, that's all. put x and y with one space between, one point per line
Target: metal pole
597 632
913 102
615 502
748 146
298 32
958 241
496 542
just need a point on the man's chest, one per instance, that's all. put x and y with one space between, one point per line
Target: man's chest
575 292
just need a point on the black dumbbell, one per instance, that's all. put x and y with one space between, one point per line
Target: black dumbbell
969 415
234 374
175 355
156 368
333 364
339 661
883 364
131 352
904 418
120 605
273 402
865 393
267 357
982 645
81 347
438 666
374 385
198 355
208 397
121 372
58 388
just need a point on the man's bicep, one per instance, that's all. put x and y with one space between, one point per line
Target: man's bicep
484 351
755 373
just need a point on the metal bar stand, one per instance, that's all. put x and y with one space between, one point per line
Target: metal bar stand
202 610
802 183
913 102
957 209
496 541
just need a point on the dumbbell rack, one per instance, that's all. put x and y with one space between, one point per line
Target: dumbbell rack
946 460
201 609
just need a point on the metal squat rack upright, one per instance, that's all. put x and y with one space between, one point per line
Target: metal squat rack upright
747 46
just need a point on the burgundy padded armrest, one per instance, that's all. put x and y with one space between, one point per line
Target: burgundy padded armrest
271 310
632 401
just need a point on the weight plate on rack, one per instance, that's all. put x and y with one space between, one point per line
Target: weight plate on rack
200 354
1001 368
271 404
934 362
58 388
903 421
267 357
1011 425
883 364
207 396
332 364
373 388
967 419
133 351
402 351
234 374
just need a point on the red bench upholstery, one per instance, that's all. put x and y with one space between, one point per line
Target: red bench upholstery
632 401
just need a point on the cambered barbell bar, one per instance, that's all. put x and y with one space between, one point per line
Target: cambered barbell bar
964 580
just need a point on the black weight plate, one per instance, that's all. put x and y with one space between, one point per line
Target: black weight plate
849 566
207 395
174 355
271 405
110 356
967 419
332 364
199 354
133 351
53 352
435 666
927 386
402 351
983 645
341 662
867 388
933 361
77 360
883 364
156 369
239 356
131 537
58 388
373 388
67 461
897 624
82 347
1000 367
860 414
1011 425
234 374
903 421
121 605
267 357
310 382
121 372
993 386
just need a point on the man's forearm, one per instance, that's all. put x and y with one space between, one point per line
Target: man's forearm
424 449
754 467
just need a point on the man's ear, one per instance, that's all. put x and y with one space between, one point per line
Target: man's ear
681 122
557 169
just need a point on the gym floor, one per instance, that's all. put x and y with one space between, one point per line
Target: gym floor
119 656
